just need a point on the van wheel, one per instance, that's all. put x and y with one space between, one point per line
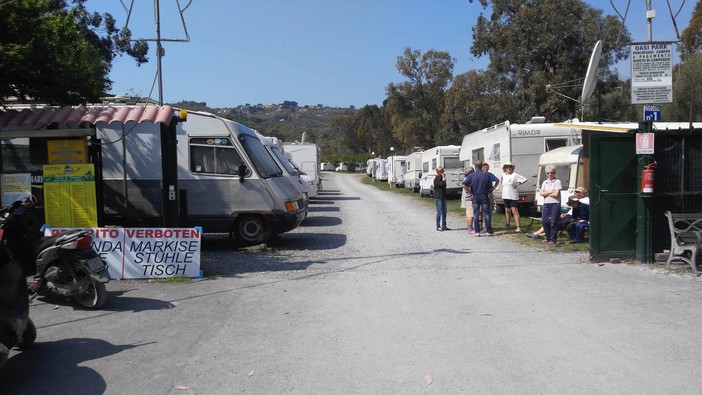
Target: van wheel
251 230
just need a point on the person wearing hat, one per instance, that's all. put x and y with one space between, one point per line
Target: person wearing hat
581 194
580 219
510 195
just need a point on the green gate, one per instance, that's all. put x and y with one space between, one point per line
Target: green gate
613 196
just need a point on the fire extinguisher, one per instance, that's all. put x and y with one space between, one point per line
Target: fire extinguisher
647 177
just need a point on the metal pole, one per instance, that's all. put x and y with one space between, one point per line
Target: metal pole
649 20
159 52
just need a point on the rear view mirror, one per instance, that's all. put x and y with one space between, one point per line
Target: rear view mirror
242 172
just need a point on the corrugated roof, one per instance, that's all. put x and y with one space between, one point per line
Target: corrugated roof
74 117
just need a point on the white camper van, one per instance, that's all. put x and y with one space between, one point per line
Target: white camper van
326 166
520 144
275 148
381 169
396 170
413 171
305 157
370 168
569 170
233 184
448 157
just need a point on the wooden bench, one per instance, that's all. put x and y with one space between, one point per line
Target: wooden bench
685 237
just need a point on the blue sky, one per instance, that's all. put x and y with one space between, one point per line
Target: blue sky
331 52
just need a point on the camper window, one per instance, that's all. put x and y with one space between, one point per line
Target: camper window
478 154
452 163
262 160
495 153
554 143
214 160
425 167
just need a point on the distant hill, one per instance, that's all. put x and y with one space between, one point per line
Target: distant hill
286 121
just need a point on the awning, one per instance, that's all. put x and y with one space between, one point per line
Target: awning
75 121
625 127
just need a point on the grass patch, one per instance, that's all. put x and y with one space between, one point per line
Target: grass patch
172 280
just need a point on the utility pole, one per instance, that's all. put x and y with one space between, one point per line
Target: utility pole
160 51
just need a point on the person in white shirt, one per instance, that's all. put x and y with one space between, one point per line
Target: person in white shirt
510 195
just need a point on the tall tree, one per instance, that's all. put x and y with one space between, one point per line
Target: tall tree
540 43
691 37
52 52
415 106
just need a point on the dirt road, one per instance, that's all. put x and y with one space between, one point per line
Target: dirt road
367 297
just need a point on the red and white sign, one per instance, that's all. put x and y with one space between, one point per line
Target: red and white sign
644 143
147 252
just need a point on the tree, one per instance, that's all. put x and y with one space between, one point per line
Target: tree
540 43
687 102
50 52
415 106
691 37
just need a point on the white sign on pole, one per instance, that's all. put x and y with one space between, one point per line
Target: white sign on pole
652 73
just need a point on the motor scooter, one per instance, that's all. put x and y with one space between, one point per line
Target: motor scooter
16 328
65 264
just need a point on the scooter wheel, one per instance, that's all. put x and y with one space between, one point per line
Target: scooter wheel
28 336
96 294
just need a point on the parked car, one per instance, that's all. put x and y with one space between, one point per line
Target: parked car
360 168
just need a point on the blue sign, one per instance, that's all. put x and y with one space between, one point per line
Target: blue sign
652 113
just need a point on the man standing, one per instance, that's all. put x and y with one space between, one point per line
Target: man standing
440 199
481 184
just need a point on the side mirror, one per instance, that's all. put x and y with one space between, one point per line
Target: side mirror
242 172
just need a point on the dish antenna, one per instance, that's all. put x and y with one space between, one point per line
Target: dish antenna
590 81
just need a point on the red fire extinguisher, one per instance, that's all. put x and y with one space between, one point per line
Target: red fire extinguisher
647 177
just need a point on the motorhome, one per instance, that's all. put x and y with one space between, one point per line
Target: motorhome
381 169
370 168
305 157
448 157
519 144
569 170
396 170
232 183
326 166
275 148
413 171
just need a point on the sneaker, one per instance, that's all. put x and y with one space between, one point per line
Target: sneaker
439 229
551 242
518 230
506 227
490 233
544 241
478 234
472 232
530 235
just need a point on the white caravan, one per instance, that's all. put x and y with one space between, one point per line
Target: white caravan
519 144
370 168
275 148
233 184
448 157
326 166
413 171
381 169
305 157
396 170
569 170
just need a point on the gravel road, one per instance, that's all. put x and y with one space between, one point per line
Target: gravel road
367 297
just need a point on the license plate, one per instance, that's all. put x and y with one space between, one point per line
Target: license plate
96 264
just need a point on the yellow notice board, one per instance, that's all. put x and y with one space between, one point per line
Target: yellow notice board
69 196
67 151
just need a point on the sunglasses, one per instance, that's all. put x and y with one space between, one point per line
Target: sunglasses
550 172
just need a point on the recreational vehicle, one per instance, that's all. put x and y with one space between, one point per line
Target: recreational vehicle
413 171
381 169
232 183
305 157
519 144
275 148
396 170
370 168
448 157
569 170
326 166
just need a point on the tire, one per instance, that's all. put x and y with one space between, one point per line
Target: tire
96 294
251 230
28 336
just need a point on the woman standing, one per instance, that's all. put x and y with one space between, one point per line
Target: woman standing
551 191
510 195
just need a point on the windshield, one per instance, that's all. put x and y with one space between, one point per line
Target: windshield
262 160
284 162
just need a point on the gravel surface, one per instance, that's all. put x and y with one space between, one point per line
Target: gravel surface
367 297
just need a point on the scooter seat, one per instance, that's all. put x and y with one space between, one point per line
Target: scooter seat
47 242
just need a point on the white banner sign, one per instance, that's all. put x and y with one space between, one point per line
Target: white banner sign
652 73
147 252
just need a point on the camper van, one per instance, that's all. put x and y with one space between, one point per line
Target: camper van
396 170
370 168
381 170
519 144
448 157
274 146
305 157
413 171
569 170
233 185
326 166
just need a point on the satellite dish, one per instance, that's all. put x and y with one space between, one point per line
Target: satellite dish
589 85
